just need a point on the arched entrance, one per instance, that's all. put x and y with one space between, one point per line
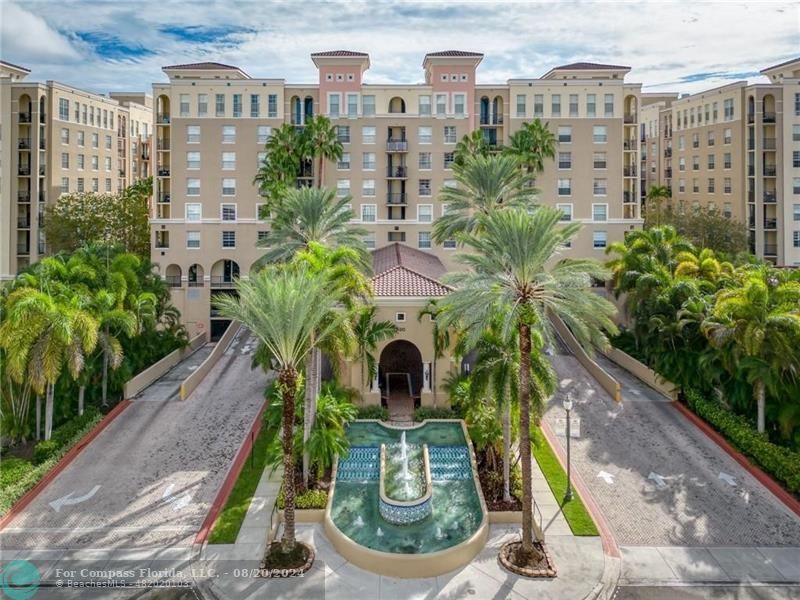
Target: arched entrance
400 376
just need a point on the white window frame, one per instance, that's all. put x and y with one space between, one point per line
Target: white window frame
374 208
596 205
223 206
430 215
567 213
595 240
224 179
188 247
429 242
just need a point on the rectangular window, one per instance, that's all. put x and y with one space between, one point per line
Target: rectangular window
95 140
352 105
727 107
85 113
796 237
441 104
727 136
369 240
727 210
368 188
695 163
369 213
712 162
555 105
95 162
538 105
64 135
599 212
573 105
229 186
695 140
608 105
368 135
184 105
192 239
368 106
424 240
449 134
449 158
229 134
796 185
343 164
220 105
81 162
796 133
599 134
343 133
228 212
108 142
261 158
424 105
681 143
566 211
229 239
565 134
681 185
599 239
425 162
80 184
262 134
565 160
425 135
343 187
711 138
727 187
796 159
369 161
600 187
194 212
63 109
711 185
695 185
202 105
591 105
108 163
565 187
521 105
192 160
65 185
796 212
681 164
65 160
192 134
228 161
272 106
425 213
458 104
424 187
599 160
727 161
192 187
255 106
81 138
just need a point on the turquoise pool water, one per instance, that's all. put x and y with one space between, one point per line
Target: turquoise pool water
456 514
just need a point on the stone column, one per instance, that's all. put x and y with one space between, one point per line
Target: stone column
426 377
375 387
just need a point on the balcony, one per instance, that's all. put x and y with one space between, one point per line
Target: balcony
628 197
173 281
667 152
24 144
162 119
770 170
24 222
751 195
769 198
24 117
491 120
24 171
23 249
396 198
629 145
23 197
768 117
770 223
751 144
751 222
751 171
41 171
221 281
629 119
195 283
162 144
629 171
164 198
397 173
393 145
751 118
42 117
163 171
668 173
769 144
770 249
42 144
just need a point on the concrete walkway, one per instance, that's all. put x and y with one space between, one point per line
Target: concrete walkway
168 386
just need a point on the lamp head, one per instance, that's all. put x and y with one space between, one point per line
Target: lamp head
568 403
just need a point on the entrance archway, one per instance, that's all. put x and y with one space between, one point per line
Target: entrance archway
400 375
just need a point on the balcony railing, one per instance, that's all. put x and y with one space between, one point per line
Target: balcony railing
24 222
628 197
629 145
668 173
629 171
173 281
24 171
770 223
751 195
24 117
23 249
24 144
162 144
751 171
397 172
769 198
770 171
164 198
42 144
163 172
396 145
195 283
770 249
751 117
751 144
396 198
629 118
162 119
491 119
42 117
220 281
23 196
41 170
769 144
768 117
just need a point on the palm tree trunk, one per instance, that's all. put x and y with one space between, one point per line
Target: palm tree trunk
81 391
288 382
38 417
105 376
48 412
313 376
527 552
319 171
761 402
507 452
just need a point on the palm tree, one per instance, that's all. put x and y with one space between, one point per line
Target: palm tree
510 281
531 145
278 172
441 337
115 320
369 333
759 322
655 198
313 215
323 143
288 310
485 184
472 144
702 265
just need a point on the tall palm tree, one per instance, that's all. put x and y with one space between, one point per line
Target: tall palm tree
472 144
115 320
369 333
323 143
656 196
278 173
703 265
312 215
510 280
759 322
485 184
441 337
532 145
287 310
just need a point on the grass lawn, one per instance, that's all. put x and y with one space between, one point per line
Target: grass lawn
574 511
229 521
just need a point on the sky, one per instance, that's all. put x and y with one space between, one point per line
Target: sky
117 45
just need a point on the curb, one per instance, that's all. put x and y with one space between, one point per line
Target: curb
230 478
763 478
62 464
610 547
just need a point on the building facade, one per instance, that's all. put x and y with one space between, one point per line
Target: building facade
58 139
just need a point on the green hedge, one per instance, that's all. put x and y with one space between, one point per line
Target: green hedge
306 500
373 411
435 412
782 463
63 436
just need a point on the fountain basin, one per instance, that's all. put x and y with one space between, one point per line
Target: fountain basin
398 502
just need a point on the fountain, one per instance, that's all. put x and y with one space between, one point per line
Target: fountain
405 482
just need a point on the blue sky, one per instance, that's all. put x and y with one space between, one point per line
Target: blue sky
112 45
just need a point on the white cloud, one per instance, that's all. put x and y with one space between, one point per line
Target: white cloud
28 37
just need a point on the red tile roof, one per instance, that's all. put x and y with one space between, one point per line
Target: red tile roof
402 271
587 66
336 53
203 66
454 54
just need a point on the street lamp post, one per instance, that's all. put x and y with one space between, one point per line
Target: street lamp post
568 407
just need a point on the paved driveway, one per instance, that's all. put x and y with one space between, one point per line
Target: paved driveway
658 480
148 480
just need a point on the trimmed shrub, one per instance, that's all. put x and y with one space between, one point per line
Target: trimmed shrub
44 450
12 469
435 412
781 463
373 412
310 499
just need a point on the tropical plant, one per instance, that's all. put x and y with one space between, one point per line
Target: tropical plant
441 338
704 227
278 173
532 145
510 282
655 198
368 333
472 144
322 143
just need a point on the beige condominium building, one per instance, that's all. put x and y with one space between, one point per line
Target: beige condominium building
736 148
56 139
212 121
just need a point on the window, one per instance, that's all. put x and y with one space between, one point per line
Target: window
162 239
263 133
599 160
64 135
95 162
228 161
81 138
727 136
343 133
80 184
192 187
727 108
192 239
449 158
228 212
220 105
555 105
369 161
108 163
255 105
441 104
458 104
591 105
573 105
727 161
272 106
261 157
424 187
566 211
85 112
565 187
796 212
369 240
796 133
711 138
695 185
600 187
796 239
401 316
695 163
425 213
726 185
333 105
81 161
599 239
565 160
368 135
681 143
599 134
712 162
538 105
727 210
369 213
695 140
108 142
228 187
202 105
425 135
424 240
63 109
449 134
608 105
194 212
368 188
681 185
65 160
65 185
797 105
425 161
796 159
681 164
564 134
796 185
343 164
599 212
711 185
229 239
192 134
229 134
192 160
424 105
368 106
520 105
343 187
184 105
